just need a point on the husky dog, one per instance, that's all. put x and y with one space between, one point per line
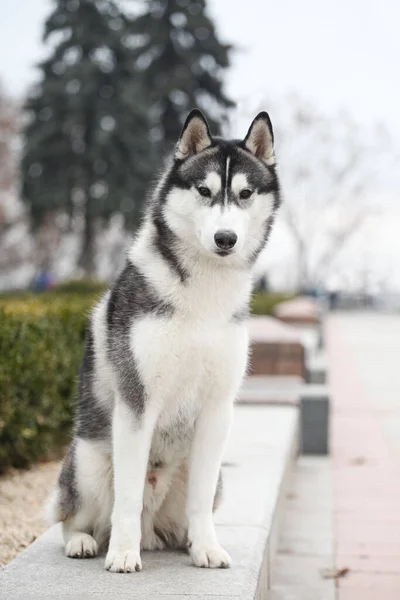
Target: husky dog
165 354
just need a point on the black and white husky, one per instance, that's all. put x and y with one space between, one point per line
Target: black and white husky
165 354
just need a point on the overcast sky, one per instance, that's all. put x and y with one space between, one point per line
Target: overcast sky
336 53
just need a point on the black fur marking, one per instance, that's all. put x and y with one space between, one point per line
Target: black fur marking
131 297
169 538
165 240
219 491
241 315
93 419
268 226
68 503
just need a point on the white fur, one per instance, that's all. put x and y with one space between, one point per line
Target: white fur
131 447
213 182
239 183
228 162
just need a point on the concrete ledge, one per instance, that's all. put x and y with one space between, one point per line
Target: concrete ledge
262 447
271 389
316 370
314 417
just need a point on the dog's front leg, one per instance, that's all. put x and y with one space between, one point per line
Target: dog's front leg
212 428
132 436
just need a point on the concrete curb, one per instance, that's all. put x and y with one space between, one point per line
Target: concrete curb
314 417
258 463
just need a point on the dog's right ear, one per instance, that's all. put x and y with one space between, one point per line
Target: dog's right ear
195 136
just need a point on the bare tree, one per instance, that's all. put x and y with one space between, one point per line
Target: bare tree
331 171
13 221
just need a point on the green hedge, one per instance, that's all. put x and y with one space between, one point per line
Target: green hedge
263 303
41 343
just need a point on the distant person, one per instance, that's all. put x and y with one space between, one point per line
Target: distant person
263 284
43 281
333 300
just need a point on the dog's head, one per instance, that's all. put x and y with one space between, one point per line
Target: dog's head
220 196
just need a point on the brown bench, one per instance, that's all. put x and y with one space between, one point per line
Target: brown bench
276 348
300 311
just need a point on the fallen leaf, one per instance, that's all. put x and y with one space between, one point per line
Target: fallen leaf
358 460
334 573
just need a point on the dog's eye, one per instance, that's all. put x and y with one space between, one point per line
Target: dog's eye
204 191
244 194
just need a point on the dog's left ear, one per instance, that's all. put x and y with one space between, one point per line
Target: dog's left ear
195 136
260 139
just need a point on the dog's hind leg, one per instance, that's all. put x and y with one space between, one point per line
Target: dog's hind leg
83 498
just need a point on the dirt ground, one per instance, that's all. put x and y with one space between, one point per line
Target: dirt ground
23 496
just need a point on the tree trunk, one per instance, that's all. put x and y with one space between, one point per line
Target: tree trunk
302 266
86 259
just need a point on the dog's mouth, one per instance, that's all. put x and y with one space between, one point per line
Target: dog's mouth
223 252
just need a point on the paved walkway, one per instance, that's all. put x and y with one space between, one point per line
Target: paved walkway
364 369
305 552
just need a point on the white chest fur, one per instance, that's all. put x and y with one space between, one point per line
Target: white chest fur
182 362
200 351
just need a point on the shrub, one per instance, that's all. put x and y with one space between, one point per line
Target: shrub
79 286
41 343
263 303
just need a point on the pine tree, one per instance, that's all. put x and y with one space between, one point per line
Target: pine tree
86 140
182 62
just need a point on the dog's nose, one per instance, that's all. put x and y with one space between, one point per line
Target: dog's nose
225 239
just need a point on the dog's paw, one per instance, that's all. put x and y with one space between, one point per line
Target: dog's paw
213 558
152 541
123 561
81 545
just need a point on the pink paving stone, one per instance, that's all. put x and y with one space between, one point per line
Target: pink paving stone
363 489
364 479
369 564
359 518
361 513
370 506
366 484
381 531
352 546
369 586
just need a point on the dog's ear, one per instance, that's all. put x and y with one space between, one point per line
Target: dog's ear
260 139
195 136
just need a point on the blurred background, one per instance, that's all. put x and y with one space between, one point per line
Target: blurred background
93 94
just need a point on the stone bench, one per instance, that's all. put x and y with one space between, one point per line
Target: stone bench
312 399
276 348
316 369
275 390
302 310
314 419
263 444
